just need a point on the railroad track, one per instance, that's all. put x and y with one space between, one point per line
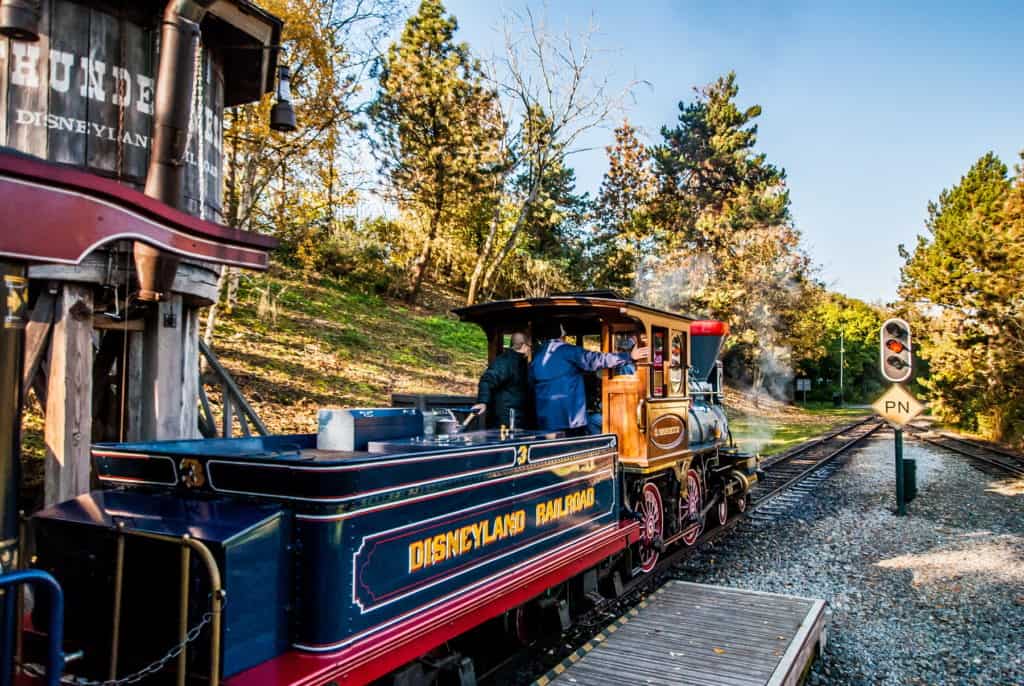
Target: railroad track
993 455
792 476
799 470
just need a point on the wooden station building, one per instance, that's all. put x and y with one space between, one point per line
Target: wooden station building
107 252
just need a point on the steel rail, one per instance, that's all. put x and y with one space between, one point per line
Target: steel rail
812 443
973 448
819 463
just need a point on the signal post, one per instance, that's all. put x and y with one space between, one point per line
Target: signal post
897 405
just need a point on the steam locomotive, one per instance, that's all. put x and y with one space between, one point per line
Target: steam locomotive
275 560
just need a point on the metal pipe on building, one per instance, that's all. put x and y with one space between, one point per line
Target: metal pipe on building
165 178
13 309
19 19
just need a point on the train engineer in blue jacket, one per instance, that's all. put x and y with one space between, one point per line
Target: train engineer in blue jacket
557 376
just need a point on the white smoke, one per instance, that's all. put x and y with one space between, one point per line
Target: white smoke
690 285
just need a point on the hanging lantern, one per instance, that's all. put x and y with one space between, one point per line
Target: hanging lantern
282 116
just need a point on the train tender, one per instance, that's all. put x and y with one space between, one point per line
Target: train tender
346 562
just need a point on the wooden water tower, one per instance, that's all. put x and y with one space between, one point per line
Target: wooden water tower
111 144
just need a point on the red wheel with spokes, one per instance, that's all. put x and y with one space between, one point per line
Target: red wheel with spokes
652 521
723 511
691 507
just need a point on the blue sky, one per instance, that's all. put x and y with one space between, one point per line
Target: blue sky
872 109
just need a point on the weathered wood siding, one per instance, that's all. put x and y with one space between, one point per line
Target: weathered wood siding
83 96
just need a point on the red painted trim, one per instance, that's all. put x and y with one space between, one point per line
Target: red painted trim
708 327
384 651
58 214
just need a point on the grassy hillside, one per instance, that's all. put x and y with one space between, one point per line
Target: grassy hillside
330 346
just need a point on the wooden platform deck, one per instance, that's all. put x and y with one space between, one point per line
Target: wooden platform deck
690 634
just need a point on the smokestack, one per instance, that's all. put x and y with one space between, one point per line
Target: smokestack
706 338
19 19
165 178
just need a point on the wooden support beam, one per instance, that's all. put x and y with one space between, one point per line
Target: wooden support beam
170 372
68 430
188 418
107 324
232 395
136 397
37 335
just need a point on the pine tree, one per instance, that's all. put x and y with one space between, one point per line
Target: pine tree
625 230
432 117
728 246
963 280
707 158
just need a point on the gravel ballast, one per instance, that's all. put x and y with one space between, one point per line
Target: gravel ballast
936 597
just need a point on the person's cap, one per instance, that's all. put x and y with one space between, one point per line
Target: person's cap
548 329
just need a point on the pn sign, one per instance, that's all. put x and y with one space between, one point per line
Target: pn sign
897 406
897 362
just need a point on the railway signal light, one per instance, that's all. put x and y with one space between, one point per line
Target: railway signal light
897 359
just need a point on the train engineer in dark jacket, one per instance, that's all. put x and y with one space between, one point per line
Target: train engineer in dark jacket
503 386
557 376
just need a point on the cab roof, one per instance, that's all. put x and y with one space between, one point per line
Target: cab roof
607 305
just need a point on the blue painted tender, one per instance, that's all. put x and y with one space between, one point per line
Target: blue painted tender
365 540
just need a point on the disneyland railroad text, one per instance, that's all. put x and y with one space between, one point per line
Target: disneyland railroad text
445 546
553 510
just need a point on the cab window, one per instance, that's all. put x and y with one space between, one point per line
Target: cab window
677 364
659 361
624 343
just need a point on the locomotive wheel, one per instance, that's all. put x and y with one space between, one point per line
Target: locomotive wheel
694 503
653 523
723 511
741 504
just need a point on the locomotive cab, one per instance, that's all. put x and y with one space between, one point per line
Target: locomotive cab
667 412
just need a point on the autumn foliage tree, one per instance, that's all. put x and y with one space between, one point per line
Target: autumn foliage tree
550 97
298 186
435 127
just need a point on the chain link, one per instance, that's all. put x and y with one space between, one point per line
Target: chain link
149 670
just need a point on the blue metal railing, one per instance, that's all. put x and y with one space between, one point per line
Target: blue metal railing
54 653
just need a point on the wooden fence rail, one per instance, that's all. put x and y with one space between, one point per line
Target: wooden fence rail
233 405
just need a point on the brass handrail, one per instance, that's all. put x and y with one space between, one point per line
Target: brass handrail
115 638
217 595
186 559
